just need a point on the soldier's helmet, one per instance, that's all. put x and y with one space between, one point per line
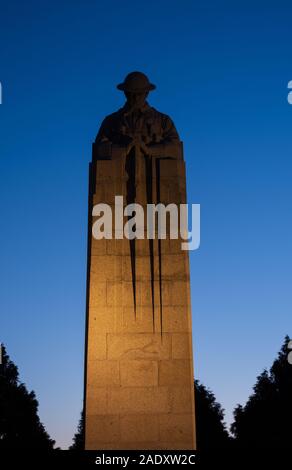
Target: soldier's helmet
136 82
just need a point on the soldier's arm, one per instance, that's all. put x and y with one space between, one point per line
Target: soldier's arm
170 145
102 144
169 133
105 145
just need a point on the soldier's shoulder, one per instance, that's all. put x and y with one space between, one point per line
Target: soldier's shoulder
112 117
165 120
159 114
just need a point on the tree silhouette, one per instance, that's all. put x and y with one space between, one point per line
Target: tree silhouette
210 427
78 439
265 420
20 427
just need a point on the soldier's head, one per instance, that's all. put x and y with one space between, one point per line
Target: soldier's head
136 87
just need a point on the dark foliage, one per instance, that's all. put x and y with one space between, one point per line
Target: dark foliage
78 439
20 427
210 426
265 420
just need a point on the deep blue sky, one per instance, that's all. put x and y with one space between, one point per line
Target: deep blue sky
221 70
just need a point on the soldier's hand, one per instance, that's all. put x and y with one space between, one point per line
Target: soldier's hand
144 148
154 150
136 142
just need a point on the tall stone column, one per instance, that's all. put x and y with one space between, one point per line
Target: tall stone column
139 391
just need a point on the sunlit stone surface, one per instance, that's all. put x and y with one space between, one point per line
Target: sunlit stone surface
139 365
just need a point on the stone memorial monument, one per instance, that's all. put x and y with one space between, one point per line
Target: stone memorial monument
139 391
